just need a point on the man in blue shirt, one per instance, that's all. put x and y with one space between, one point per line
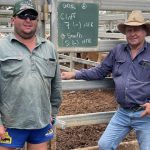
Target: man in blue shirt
130 67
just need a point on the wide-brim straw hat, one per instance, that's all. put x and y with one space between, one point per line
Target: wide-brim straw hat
136 18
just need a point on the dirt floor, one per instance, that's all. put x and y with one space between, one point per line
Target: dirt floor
80 102
87 101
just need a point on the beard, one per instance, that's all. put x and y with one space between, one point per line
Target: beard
24 34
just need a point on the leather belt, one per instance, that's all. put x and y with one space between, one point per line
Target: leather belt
135 108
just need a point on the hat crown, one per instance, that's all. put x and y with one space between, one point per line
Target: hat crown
22 5
26 4
136 16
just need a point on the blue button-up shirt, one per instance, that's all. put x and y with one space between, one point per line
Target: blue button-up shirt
131 76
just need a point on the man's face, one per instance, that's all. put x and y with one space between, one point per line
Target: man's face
25 24
135 35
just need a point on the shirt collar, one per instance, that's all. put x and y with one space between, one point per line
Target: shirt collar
39 39
127 47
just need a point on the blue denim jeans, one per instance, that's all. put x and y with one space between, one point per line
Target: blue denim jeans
121 124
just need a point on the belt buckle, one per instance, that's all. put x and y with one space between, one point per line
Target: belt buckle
137 108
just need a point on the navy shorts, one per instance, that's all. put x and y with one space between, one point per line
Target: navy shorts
16 138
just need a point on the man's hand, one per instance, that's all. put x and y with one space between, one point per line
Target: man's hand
2 132
53 120
67 75
146 106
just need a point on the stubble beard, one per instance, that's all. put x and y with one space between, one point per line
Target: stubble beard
25 35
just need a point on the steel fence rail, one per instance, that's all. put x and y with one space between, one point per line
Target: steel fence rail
68 85
84 119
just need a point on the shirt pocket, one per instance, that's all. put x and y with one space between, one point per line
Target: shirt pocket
144 74
47 67
51 68
118 67
11 66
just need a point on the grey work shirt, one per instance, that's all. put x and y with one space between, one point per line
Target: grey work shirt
30 84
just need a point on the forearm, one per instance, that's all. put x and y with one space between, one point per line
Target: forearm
56 92
94 73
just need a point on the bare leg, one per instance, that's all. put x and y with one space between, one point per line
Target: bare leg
6 148
41 146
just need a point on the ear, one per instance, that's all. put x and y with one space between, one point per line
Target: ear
12 21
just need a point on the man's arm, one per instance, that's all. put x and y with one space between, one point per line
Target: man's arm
98 72
2 130
56 92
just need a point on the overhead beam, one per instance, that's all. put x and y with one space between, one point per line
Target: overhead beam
7 2
124 5
118 5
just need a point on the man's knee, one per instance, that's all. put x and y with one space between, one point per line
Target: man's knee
104 145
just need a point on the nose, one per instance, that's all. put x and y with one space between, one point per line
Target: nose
132 32
28 19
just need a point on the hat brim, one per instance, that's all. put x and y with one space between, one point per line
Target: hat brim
33 10
122 26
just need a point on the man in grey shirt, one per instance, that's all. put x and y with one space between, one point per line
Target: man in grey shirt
30 83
